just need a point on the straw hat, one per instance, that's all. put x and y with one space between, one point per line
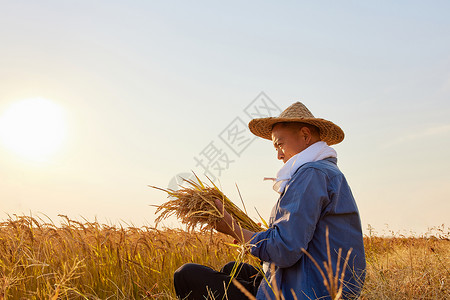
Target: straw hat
297 112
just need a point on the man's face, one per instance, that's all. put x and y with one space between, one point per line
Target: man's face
288 141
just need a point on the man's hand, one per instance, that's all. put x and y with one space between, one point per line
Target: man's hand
226 224
229 226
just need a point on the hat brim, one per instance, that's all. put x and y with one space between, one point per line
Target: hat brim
329 132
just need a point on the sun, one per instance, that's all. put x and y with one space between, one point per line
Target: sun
33 128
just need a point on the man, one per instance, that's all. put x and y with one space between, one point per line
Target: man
313 197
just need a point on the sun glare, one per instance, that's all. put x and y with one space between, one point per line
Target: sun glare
33 128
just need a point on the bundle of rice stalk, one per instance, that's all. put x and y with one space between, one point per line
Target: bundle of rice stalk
194 206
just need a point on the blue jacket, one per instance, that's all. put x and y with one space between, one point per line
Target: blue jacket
317 196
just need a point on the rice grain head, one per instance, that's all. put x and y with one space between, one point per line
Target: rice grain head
194 206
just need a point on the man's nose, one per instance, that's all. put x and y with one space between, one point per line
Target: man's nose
280 154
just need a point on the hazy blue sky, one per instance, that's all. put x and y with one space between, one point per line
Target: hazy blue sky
146 86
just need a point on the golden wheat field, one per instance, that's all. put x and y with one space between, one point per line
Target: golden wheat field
88 260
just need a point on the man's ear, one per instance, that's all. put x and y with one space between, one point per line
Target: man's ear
306 134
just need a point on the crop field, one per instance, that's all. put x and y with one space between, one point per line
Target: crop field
88 260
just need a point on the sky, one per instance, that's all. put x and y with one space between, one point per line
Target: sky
145 90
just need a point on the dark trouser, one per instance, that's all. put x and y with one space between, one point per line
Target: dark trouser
198 282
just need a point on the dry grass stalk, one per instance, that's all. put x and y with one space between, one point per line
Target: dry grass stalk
243 290
334 283
194 206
